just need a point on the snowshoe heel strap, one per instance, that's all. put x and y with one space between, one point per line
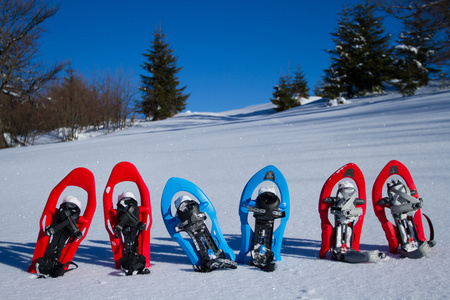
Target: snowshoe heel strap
262 258
133 264
215 264
420 252
47 266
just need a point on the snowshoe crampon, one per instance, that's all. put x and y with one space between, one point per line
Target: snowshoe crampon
128 225
263 242
405 205
206 249
348 208
62 229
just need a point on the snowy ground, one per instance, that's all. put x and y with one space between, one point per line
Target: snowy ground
219 152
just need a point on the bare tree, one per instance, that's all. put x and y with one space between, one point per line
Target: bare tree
21 77
128 92
115 93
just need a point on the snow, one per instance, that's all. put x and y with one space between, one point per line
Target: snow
405 48
220 152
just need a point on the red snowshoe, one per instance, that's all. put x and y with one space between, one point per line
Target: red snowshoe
405 204
128 224
348 208
63 229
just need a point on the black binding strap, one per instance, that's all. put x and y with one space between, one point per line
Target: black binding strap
63 231
265 213
128 229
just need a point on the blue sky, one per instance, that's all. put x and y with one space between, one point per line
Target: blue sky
232 52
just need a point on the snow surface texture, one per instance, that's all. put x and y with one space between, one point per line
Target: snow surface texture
220 152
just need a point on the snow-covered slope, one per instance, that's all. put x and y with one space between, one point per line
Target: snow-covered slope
219 152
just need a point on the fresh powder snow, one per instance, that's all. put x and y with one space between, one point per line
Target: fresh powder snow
220 152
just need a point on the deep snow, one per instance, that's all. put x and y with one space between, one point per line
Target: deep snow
220 152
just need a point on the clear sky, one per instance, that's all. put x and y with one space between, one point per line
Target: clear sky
231 52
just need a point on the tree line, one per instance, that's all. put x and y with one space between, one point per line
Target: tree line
34 99
363 60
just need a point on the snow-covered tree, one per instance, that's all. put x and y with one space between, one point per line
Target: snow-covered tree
361 59
161 97
414 54
437 14
330 87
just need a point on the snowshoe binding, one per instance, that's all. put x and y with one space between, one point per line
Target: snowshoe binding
192 222
128 225
128 230
62 229
264 242
346 214
206 249
405 205
265 212
348 208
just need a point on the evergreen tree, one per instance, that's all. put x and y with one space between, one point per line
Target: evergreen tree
341 75
375 54
283 96
437 14
161 96
331 86
361 59
299 85
414 54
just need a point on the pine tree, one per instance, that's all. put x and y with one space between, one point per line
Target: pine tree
414 54
331 86
375 57
299 85
341 75
361 58
283 96
161 96
437 14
